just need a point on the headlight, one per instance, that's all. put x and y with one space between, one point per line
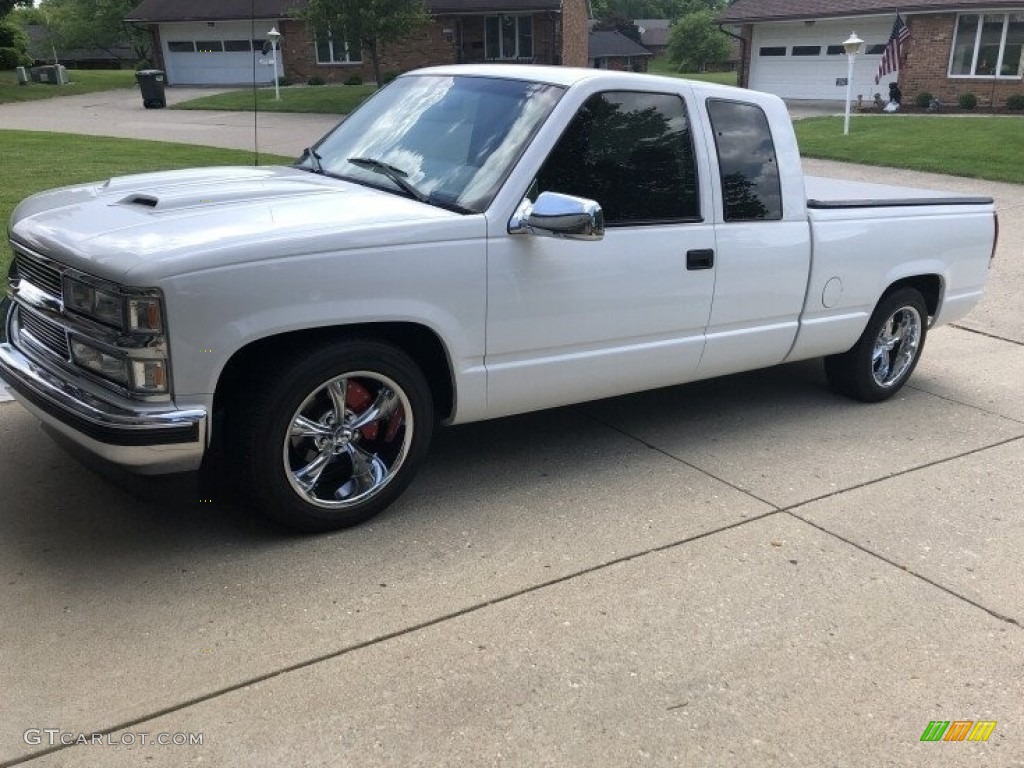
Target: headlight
100 305
148 376
121 309
106 364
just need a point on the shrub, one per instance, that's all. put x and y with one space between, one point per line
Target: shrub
13 36
282 80
967 101
316 81
923 99
1015 102
387 77
143 64
354 80
11 58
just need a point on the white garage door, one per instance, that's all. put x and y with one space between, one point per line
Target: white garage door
218 53
806 61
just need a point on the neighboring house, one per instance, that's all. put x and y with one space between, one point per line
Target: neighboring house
613 50
199 42
653 34
794 47
42 49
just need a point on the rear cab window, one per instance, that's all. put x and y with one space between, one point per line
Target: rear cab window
748 167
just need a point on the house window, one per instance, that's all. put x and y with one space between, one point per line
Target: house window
181 46
210 46
772 50
508 37
834 50
337 49
237 46
806 50
987 45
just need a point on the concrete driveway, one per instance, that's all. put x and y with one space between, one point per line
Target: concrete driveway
744 572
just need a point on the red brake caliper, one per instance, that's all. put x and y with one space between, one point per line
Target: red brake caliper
357 397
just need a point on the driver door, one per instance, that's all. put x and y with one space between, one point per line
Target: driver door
570 320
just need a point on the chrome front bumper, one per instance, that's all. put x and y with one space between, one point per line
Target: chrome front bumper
146 440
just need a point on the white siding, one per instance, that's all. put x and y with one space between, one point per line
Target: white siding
814 77
221 67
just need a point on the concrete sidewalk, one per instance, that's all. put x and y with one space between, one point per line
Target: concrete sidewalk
749 571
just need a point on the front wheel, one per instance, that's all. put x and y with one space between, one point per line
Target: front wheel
882 360
337 437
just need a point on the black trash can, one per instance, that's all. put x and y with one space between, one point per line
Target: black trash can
151 83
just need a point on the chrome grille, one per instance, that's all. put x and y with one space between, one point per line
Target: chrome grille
41 274
48 335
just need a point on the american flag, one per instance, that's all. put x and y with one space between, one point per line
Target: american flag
893 49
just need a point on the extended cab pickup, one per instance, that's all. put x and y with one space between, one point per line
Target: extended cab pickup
472 242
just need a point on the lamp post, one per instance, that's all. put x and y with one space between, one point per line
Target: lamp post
274 36
852 46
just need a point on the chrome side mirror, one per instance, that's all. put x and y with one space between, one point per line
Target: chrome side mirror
558 215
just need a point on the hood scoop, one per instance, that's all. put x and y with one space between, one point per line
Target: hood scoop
178 197
147 201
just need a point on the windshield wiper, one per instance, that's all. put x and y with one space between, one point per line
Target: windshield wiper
397 175
314 160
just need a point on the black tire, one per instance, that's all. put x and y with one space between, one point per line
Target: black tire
884 357
290 436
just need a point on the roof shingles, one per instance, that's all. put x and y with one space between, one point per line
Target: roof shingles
746 11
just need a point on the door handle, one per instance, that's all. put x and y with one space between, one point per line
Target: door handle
703 258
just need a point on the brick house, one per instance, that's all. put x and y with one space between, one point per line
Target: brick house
198 42
613 50
794 47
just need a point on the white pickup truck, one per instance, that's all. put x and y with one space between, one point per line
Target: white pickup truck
472 242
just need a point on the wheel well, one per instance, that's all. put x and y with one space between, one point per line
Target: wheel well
417 341
929 286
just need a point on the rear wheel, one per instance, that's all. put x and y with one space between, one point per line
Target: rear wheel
338 437
881 361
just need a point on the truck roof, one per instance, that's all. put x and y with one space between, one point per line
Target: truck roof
565 76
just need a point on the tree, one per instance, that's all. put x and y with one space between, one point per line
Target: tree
6 6
652 9
95 24
695 41
370 24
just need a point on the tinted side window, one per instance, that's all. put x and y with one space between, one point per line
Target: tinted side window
746 160
633 154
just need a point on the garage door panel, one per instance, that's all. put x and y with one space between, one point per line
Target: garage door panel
190 61
817 76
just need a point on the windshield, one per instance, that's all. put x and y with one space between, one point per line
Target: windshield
449 141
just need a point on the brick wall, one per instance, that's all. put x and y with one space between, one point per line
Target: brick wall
926 66
426 47
575 35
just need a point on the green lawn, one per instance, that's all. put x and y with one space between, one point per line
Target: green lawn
32 161
324 99
81 81
983 147
660 65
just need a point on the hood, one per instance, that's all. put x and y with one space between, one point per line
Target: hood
135 229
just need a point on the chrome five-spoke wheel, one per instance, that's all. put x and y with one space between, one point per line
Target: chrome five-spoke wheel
334 434
348 439
881 361
896 346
